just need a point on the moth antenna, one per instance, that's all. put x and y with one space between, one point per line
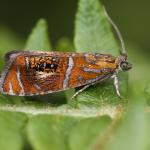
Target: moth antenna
117 32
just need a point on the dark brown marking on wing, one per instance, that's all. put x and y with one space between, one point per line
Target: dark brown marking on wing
48 71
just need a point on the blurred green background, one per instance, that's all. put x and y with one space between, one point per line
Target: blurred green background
132 18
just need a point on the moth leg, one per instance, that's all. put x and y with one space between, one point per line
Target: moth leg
79 91
116 84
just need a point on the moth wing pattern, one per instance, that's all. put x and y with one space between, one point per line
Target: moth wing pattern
24 74
35 72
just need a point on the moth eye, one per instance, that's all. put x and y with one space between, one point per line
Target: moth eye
124 65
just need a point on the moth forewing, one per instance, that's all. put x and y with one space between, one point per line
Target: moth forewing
30 73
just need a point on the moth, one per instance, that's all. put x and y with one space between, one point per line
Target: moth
29 73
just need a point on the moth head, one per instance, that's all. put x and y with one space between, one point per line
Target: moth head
123 64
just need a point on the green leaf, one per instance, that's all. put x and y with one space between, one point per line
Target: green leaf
85 134
133 131
11 130
92 29
38 39
50 132
64 45
93 33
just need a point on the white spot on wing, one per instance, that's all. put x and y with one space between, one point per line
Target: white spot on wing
19 81
10 89
27 62
44 74
68 72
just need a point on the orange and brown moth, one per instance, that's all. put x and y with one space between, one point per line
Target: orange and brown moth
28 73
